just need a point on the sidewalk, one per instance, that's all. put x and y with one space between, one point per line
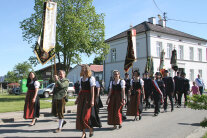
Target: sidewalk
18 116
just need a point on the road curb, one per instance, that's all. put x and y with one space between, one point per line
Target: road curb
198 133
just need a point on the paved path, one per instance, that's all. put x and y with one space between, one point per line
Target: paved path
178 124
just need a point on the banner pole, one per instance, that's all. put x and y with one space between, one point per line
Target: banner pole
55 69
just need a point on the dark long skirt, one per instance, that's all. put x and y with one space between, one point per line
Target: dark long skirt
83 110
114 108
31 110
133 108
58 108
94 119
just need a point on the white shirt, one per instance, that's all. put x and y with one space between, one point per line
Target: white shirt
97 84
122 83
36 84
92 81
141 81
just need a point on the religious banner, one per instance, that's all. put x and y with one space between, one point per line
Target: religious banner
162 62
173 60
131 50
45 47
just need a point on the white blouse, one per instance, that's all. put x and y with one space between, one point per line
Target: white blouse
36 84
92 81
141 82
122 83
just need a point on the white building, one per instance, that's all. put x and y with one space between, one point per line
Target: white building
151 38
74 74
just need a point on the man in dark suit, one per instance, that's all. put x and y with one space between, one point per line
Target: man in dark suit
147 89
185 86
169 90
177 86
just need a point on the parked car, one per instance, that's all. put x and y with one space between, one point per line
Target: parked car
16 91
46 92
71 89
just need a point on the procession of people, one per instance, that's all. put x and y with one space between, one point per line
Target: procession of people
130 93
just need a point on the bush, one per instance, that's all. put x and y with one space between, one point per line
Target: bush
198 102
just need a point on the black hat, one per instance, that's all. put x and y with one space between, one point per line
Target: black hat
126 73
166 71
146 73
158 73
182 73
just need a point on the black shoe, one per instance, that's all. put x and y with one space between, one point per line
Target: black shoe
64 122
91 134
178 106
120 126
140 117
135 118
172 110
155 114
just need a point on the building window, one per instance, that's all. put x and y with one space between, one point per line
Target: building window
191 74
180 52
191 53
200 72
113 55
158 48
199 54
169 50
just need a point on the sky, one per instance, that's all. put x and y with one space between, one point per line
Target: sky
119 15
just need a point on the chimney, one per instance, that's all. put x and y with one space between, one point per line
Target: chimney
162 23
152 20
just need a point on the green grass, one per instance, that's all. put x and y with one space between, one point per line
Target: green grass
12 103
205 136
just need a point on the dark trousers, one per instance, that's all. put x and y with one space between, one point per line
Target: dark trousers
170 95
157 101
180 97
176 96
147 96
201 90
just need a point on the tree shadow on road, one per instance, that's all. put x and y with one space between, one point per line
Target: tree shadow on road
192 124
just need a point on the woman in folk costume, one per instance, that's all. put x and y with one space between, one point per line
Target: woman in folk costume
85 101
32 103
116 100
137 90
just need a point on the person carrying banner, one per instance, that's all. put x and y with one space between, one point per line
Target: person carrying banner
137 91
59 94
85 101
158 89
116 100
169 90
200 84
147 89
184 89
32 102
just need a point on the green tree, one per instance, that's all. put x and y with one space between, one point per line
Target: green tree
11 77
22 70
98 60
79 30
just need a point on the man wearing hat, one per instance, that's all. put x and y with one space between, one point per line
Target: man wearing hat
169 90
185 87
158 90
147 89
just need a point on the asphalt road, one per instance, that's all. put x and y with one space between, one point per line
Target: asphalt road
177 124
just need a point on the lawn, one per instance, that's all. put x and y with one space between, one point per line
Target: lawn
12 103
